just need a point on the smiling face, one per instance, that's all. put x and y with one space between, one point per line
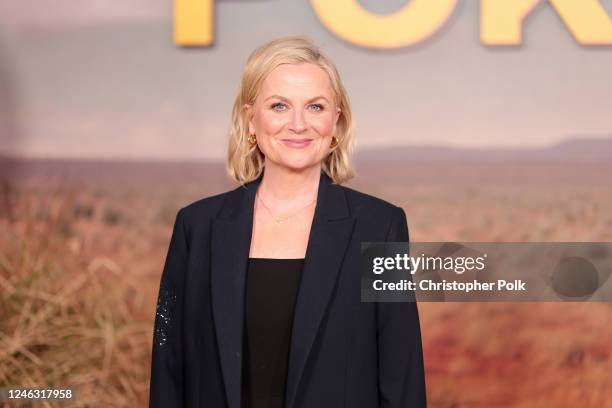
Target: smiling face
294 116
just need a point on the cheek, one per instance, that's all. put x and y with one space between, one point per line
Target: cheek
324 124
270 121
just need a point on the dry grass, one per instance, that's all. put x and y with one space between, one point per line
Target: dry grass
68 317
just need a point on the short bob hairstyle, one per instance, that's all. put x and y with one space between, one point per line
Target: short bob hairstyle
245 162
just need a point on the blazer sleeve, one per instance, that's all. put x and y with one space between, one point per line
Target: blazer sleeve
166 389
400 354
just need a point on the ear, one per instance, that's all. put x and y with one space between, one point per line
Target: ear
248 109
337 115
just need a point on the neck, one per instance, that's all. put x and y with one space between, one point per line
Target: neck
281 186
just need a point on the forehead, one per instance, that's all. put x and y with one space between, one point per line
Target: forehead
303 78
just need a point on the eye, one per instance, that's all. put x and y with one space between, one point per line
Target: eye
318 107
277 106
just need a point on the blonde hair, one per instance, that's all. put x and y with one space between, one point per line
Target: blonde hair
245 162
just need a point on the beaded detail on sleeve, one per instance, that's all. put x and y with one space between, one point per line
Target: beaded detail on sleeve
164 314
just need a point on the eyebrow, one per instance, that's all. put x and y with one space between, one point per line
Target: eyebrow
282 98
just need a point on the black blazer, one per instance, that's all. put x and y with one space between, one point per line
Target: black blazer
343 353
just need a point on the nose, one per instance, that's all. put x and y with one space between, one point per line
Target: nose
297 122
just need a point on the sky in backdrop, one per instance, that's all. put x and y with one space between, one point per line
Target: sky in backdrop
102 79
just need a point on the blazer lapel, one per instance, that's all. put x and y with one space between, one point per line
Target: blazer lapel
330 234
230 244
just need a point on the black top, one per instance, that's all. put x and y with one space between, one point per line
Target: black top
271 291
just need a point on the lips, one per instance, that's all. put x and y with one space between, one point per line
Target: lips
297 143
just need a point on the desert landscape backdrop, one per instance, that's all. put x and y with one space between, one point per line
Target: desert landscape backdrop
83 245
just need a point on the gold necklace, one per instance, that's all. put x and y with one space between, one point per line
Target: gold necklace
279 220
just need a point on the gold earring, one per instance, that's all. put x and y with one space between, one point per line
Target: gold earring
252 139
335 141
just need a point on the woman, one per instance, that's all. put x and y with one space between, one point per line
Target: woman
259 302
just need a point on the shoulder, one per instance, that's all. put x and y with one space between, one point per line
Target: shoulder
376 214
204 208
364 205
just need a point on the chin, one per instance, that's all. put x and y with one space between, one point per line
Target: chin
300 165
